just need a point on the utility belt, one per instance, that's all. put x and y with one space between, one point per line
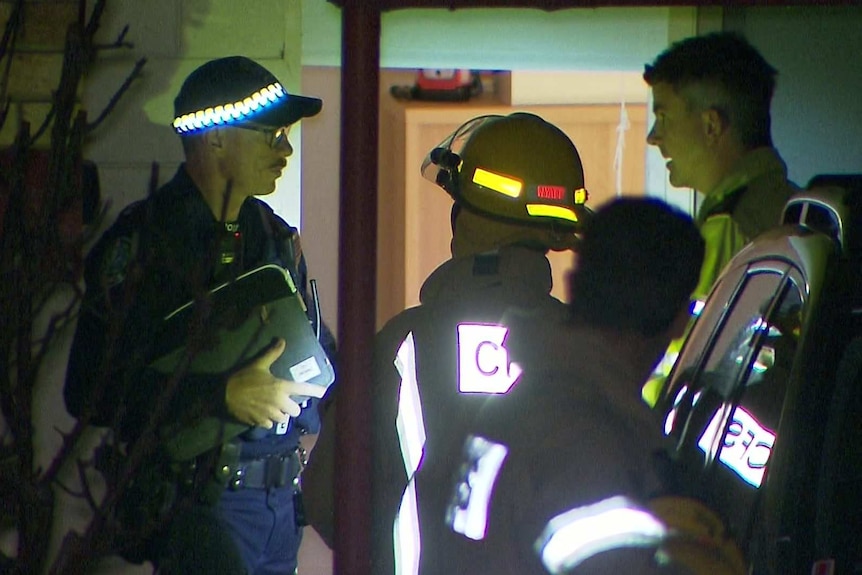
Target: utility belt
272 471
210 474
269 472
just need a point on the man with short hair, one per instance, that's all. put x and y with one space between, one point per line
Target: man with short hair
203 228
711 97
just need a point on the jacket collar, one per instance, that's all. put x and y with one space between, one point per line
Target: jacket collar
524 273
755 164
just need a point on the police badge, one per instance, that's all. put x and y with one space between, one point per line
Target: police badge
116 262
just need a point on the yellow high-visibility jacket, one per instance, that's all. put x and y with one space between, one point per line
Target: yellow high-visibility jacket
746 203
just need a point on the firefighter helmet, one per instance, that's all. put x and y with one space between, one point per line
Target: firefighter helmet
697 540
517 168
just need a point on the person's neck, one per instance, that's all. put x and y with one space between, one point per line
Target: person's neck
725 161
224 201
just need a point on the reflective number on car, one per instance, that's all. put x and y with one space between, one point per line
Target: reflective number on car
747 444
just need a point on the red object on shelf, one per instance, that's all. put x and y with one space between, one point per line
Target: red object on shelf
443 79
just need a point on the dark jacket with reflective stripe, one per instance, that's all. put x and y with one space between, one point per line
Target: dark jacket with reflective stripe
576 433
484 289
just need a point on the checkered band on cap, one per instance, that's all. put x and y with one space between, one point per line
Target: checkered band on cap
230 112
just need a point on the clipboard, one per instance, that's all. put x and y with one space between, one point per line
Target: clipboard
228 328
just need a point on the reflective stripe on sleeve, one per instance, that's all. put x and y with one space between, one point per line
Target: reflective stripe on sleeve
574 536
468 511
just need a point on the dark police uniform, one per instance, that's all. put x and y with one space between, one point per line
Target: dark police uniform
156 257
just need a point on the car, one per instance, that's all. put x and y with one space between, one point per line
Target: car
763 406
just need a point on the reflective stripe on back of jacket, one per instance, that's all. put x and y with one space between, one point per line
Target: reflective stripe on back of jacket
435 365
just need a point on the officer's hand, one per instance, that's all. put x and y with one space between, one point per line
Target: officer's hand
256 397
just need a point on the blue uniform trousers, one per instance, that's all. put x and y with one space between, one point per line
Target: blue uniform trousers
262 523
249 532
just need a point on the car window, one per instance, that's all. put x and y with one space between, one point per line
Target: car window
729 389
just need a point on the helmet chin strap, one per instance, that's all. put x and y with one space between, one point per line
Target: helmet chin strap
474 234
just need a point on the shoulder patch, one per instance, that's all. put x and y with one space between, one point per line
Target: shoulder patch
116 262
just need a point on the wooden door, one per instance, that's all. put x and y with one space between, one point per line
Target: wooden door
414 229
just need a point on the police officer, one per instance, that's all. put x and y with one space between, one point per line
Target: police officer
518 189
202 228
567 472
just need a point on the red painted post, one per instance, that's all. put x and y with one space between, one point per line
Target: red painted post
357 272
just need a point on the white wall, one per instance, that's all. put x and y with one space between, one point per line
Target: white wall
320 188
817 109
176 37
505 39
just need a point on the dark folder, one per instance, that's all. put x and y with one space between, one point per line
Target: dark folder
227 328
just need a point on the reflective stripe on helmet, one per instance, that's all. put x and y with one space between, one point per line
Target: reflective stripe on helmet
544 210
505 185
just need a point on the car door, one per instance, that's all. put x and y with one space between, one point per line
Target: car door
728 390
724 417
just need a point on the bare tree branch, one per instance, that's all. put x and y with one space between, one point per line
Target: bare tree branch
85 486
11 29
136 71
46 121
118 43
4 112
36 272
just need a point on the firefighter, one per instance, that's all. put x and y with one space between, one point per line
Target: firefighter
518 188
711 97
568 472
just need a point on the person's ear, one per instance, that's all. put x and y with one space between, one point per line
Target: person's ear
714 124
214 138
